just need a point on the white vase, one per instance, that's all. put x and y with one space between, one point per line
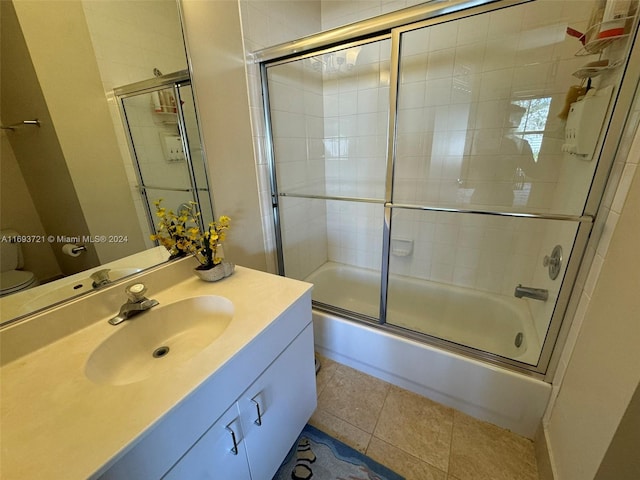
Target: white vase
220 271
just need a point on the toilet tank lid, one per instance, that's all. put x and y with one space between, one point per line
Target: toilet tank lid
15 280
10 253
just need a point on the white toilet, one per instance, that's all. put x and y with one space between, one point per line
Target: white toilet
12 279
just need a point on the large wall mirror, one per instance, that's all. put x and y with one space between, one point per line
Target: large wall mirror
70 180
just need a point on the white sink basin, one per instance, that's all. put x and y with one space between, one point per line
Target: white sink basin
159 339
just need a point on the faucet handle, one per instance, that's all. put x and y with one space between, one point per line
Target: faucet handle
136 292
101 277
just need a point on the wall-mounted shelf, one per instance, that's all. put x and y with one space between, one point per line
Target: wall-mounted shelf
591 71
597 45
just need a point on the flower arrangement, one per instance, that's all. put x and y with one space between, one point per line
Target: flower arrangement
183 234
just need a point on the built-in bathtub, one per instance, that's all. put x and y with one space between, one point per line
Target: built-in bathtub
478 319
492 323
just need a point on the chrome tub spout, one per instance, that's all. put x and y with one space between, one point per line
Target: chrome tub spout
530 292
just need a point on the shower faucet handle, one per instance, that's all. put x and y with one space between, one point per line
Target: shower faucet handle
547 260
554 262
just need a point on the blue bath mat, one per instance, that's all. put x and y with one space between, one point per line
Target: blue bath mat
316 455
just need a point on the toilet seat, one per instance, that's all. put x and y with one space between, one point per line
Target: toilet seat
16 280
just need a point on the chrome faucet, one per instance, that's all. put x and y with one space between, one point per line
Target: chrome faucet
136 304
100 278
535 293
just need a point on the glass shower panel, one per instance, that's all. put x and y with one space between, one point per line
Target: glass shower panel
480 102
454 276
196 152
165 141
337 246
329 116
152 119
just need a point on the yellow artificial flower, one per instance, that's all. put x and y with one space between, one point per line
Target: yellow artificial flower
184 233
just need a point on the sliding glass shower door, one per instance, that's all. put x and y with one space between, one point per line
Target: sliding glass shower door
329 118
438 180
164 139
486 185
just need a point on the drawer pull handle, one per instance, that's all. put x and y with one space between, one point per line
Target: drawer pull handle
234 449
257 421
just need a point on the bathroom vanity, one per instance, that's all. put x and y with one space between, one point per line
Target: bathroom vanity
85 399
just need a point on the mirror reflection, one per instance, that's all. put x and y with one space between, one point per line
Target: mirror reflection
74 212
162 126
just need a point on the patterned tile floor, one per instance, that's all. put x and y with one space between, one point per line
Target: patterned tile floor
418 438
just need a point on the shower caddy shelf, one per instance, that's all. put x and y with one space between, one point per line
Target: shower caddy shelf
597 46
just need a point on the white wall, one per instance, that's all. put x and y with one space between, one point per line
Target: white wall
19 211
130 39
597 373
602 371
71 85
214 41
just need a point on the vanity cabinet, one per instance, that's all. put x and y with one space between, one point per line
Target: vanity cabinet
265 394
212 455
174 419
286 396
254 435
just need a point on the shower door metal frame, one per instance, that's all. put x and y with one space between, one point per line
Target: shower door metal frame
395 24
174 81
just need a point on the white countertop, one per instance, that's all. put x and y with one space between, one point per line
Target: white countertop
42 296
57 424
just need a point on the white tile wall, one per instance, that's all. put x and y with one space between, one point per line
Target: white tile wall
265 24
626 163
298 132
457 80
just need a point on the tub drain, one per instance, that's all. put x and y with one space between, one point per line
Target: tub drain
160 352
519 339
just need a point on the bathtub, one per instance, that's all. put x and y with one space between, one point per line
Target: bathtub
492 323
489 322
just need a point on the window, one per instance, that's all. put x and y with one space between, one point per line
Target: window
532 124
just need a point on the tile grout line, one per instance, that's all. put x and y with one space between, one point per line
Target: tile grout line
384 402
418 459
453 426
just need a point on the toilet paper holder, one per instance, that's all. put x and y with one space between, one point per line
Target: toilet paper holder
73 250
